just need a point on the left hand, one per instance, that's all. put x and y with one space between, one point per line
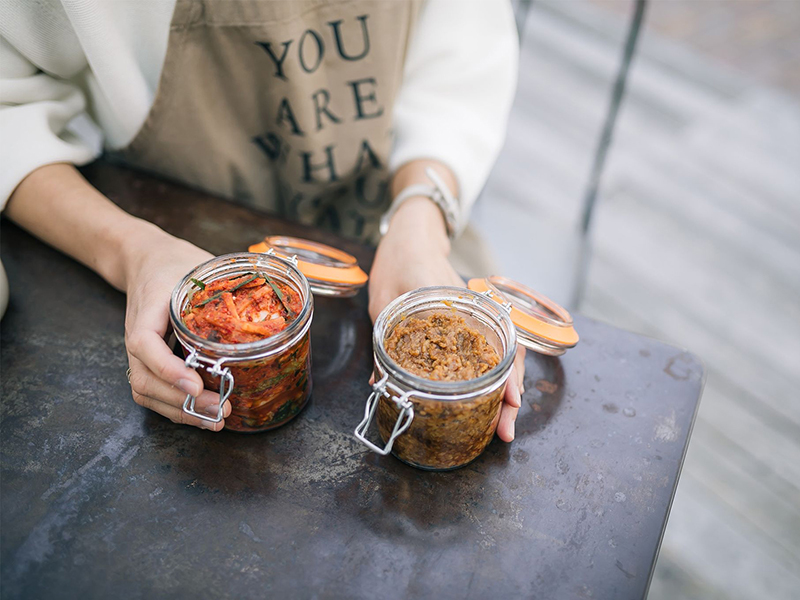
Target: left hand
413 254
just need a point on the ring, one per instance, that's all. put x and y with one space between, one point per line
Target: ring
128 375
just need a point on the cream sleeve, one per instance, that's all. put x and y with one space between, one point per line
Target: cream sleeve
459 82
42 121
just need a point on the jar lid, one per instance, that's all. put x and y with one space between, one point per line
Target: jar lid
542 325
330 271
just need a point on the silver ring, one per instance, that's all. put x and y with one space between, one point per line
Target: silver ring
128 375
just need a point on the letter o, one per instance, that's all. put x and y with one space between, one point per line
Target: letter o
320 50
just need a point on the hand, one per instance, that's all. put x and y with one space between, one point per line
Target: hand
159 379
512 401
56 204
413 254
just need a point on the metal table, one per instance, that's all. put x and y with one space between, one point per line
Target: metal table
102 499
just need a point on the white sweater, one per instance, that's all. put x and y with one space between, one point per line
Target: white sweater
77 75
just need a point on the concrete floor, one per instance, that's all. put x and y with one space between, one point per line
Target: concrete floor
696 241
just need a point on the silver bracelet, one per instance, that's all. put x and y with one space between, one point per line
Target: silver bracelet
439 193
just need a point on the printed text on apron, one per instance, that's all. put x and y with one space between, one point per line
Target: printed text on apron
284 106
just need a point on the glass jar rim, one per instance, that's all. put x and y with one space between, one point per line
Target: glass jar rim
450 390
248 350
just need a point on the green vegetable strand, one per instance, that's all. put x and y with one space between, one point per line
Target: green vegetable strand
279 294
218 295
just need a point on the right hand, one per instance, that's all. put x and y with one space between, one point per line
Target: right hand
159 379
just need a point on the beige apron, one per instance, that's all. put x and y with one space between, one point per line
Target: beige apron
282 105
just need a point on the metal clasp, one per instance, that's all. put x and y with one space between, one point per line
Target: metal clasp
499 299
381 388
193 361
292 259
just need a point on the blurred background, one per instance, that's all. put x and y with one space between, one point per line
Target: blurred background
694 239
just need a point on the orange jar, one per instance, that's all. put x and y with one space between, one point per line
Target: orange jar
266 377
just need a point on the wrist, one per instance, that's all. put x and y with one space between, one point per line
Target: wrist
435 183
420 220
134 243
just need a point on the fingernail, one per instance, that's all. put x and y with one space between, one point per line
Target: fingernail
521 389
190 387
517 398
513 431
211 409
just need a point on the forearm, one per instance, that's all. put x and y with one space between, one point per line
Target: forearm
57 205
413 254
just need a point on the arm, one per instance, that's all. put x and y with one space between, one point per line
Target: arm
458 86
414 251
47 196
57 205
413 254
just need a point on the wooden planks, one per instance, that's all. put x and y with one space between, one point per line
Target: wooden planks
696 241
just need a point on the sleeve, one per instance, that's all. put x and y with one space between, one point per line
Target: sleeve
459 81
42 121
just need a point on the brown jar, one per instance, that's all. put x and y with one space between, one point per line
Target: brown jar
431 424
441 425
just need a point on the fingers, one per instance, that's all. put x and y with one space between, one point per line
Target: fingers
505 427
148 347
519 367
176 415
512 396
508 412
153 393
512 400
144 382
159 379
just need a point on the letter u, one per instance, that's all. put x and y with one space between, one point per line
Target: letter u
337 35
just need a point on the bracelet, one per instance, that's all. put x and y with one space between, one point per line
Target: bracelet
438 193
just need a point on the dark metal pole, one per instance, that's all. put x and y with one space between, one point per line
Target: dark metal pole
590 197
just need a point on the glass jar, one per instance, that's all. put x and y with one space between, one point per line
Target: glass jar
438 425
442 425
267 381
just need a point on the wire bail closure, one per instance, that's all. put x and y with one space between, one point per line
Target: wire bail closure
506 304
382 388
193 361
292 259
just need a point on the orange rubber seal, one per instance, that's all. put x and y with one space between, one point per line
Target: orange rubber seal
342 267
562 334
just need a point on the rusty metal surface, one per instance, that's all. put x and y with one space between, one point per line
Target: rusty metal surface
101 498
